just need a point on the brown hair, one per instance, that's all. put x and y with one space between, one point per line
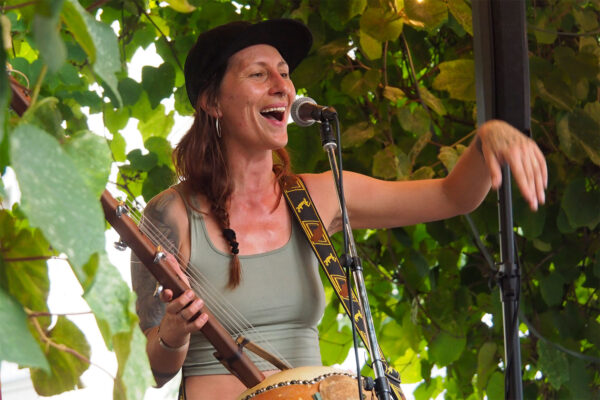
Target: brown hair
201 162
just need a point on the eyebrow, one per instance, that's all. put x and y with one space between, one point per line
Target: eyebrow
263 63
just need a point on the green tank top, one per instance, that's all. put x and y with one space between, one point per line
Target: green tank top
281 296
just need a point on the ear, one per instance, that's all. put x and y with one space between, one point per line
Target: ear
210 107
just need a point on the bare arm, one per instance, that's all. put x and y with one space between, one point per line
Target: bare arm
167 328
374 203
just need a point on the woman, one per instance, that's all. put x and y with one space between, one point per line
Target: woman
229 206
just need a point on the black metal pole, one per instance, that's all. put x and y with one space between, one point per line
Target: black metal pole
502 85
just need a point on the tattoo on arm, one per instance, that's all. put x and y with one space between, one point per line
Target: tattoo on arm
159 225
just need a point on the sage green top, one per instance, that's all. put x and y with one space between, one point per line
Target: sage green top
281 296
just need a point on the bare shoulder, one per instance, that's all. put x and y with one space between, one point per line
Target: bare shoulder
166 213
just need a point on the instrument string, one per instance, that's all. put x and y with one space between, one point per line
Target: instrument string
234 322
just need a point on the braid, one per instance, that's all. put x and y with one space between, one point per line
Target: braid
235 269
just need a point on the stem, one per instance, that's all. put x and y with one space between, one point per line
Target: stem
16 6
61 347
96 4
141 10
35 314
33 258
38 85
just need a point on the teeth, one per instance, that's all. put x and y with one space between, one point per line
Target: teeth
273 109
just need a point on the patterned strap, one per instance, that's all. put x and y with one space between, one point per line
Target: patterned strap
306 214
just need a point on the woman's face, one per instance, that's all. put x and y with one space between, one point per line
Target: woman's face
255 97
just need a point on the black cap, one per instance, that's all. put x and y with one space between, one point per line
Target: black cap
214 47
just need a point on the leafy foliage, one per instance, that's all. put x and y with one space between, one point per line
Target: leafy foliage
429 284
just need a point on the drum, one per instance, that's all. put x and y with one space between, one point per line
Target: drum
307 383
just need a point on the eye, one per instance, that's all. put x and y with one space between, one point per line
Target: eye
285 75
257 74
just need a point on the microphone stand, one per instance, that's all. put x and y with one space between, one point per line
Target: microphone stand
350 259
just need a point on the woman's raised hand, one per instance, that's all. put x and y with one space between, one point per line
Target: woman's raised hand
182 314
502 143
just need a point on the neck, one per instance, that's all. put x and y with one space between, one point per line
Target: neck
252 175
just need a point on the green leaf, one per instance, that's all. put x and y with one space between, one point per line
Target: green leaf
115 119
370 46
581 205
66 368
24 273
569 143
386 163
153 122
4 95
181 6
134 376
432 101
46 34
551 288
448 156
54 196
109 298
16 342
354 85
553 89
105 58
430 13
425 172
159 178
487 362
393 94
158 82
357 134
381 24
532 222
162 148
91 154
130 91
416 121
553 363
586 129
463 14
45 115
142 162
495 387
72 17
338 13
580 380
445 348
117 147
458 78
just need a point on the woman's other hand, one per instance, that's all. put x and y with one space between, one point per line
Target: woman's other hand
502 143
183 314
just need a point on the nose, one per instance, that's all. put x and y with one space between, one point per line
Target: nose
280 86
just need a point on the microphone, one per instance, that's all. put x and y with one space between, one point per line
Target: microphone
305 111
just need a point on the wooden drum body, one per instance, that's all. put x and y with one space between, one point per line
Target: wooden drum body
307 383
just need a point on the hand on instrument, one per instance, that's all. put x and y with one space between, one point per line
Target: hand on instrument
502 143
182 314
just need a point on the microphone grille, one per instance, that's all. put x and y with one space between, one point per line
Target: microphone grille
295 111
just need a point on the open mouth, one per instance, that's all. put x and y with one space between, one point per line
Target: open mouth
275 113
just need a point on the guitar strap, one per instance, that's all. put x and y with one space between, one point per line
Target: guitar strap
306 214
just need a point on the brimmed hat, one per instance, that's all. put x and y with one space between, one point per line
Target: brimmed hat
214 47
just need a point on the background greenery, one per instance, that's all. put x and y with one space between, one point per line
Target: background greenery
430 285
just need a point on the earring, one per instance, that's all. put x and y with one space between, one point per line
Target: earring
218 127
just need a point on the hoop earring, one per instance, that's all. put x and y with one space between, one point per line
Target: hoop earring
218 127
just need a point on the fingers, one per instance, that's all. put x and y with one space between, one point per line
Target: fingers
175 266
502 143
186 311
